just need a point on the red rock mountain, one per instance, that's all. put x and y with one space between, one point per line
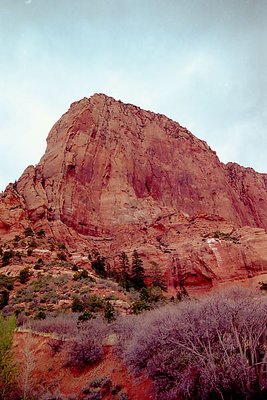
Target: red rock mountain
115 177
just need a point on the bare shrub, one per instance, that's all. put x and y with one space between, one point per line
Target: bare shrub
55 345
125 329
60 326
214 348
83 351
82 340
52 396
86 347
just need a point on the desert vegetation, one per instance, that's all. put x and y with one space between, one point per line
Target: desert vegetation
209 348
214 348
62 284
8 371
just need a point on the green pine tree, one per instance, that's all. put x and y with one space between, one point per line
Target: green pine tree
138 272
124 271
99 264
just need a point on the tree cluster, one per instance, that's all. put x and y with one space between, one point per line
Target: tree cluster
134 276
99 264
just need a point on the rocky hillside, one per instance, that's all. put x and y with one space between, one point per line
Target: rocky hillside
117 178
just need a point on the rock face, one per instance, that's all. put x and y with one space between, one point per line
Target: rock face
115 177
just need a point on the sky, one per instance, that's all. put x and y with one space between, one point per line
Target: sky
202 63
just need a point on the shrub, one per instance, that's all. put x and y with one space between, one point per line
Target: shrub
86 347
263 285
39 264
53 396
63 326
29 251
122 396
61 256
6 282
208 349
87 390
7 255
139 306
77 305
4 297
24 275
61 246
40 315
125 329
32 244
83 274
55 345
109 312
106 385
225 236
86 316
41 233
100 382
52 247
115 389
18 255
99 265
95 303
16 239
152 294
95 396
28 231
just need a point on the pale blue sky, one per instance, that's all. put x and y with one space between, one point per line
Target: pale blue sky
203 63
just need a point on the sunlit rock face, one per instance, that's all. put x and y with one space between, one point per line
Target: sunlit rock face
116 178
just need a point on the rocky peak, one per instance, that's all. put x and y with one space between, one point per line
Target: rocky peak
121 175
108 163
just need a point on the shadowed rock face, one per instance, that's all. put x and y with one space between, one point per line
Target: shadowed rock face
117 177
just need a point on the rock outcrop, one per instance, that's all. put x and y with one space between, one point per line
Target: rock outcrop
115 177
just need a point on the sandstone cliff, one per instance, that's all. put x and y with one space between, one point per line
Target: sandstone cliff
116 177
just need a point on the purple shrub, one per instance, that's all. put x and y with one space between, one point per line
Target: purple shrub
83 341
83 351
85 347
214 348
61 326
